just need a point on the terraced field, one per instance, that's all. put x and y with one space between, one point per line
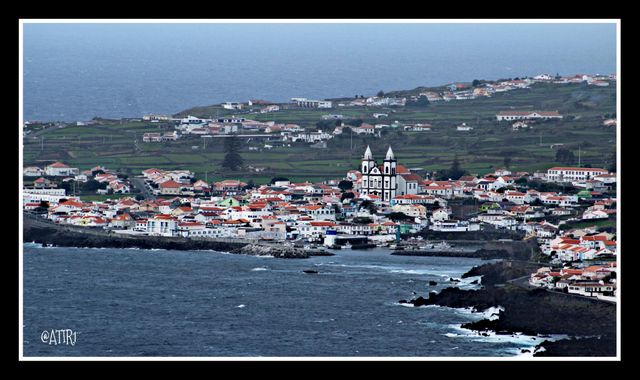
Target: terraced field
119 145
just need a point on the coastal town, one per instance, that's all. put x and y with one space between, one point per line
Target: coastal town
547 228
380 203
283 189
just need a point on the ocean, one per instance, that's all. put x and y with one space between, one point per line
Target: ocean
128 302
80 71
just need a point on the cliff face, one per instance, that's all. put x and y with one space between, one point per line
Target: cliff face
45 232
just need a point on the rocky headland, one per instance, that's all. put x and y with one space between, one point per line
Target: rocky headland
590 324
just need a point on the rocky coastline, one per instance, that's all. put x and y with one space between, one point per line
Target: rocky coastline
590 324
50 234
490 250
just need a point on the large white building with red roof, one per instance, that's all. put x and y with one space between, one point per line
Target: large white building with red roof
58 169
569 174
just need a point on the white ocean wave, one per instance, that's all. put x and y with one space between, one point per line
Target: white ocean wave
258 269
522 341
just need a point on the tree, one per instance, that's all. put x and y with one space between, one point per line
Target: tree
507 162
278 179
475 83
345 185
362 220
355 123
93 185
348 195
400 217
565 156
250 185
326 125
232 159
368 205
422 101
522 181
455 171
380 94
139 197
612 164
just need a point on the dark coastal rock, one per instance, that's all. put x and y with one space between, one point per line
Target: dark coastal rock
475 282
451 279
483 325
500 272
533 312
592 346
45 232
310 271
432 283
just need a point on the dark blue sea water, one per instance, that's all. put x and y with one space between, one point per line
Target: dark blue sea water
78 71
176 303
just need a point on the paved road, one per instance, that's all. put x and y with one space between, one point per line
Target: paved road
139 183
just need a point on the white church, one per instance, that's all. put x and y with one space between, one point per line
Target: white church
381 181
386 180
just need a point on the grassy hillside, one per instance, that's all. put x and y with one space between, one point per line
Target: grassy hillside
112 144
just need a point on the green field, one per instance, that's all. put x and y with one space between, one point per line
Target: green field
480 151
603 223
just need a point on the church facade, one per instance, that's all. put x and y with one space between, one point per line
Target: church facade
378 180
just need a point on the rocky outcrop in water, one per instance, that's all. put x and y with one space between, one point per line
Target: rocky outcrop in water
533 312
279 251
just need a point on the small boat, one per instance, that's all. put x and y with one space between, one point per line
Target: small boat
347 246
310 271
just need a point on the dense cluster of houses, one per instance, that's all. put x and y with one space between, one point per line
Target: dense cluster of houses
585 280
47 188
238 125
378 195
589 266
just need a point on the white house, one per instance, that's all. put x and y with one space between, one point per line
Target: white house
32 171
591 289
59 169
440 214
162 225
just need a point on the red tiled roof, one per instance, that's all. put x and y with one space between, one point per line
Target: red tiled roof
322 224
58 165
579 169
171 184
